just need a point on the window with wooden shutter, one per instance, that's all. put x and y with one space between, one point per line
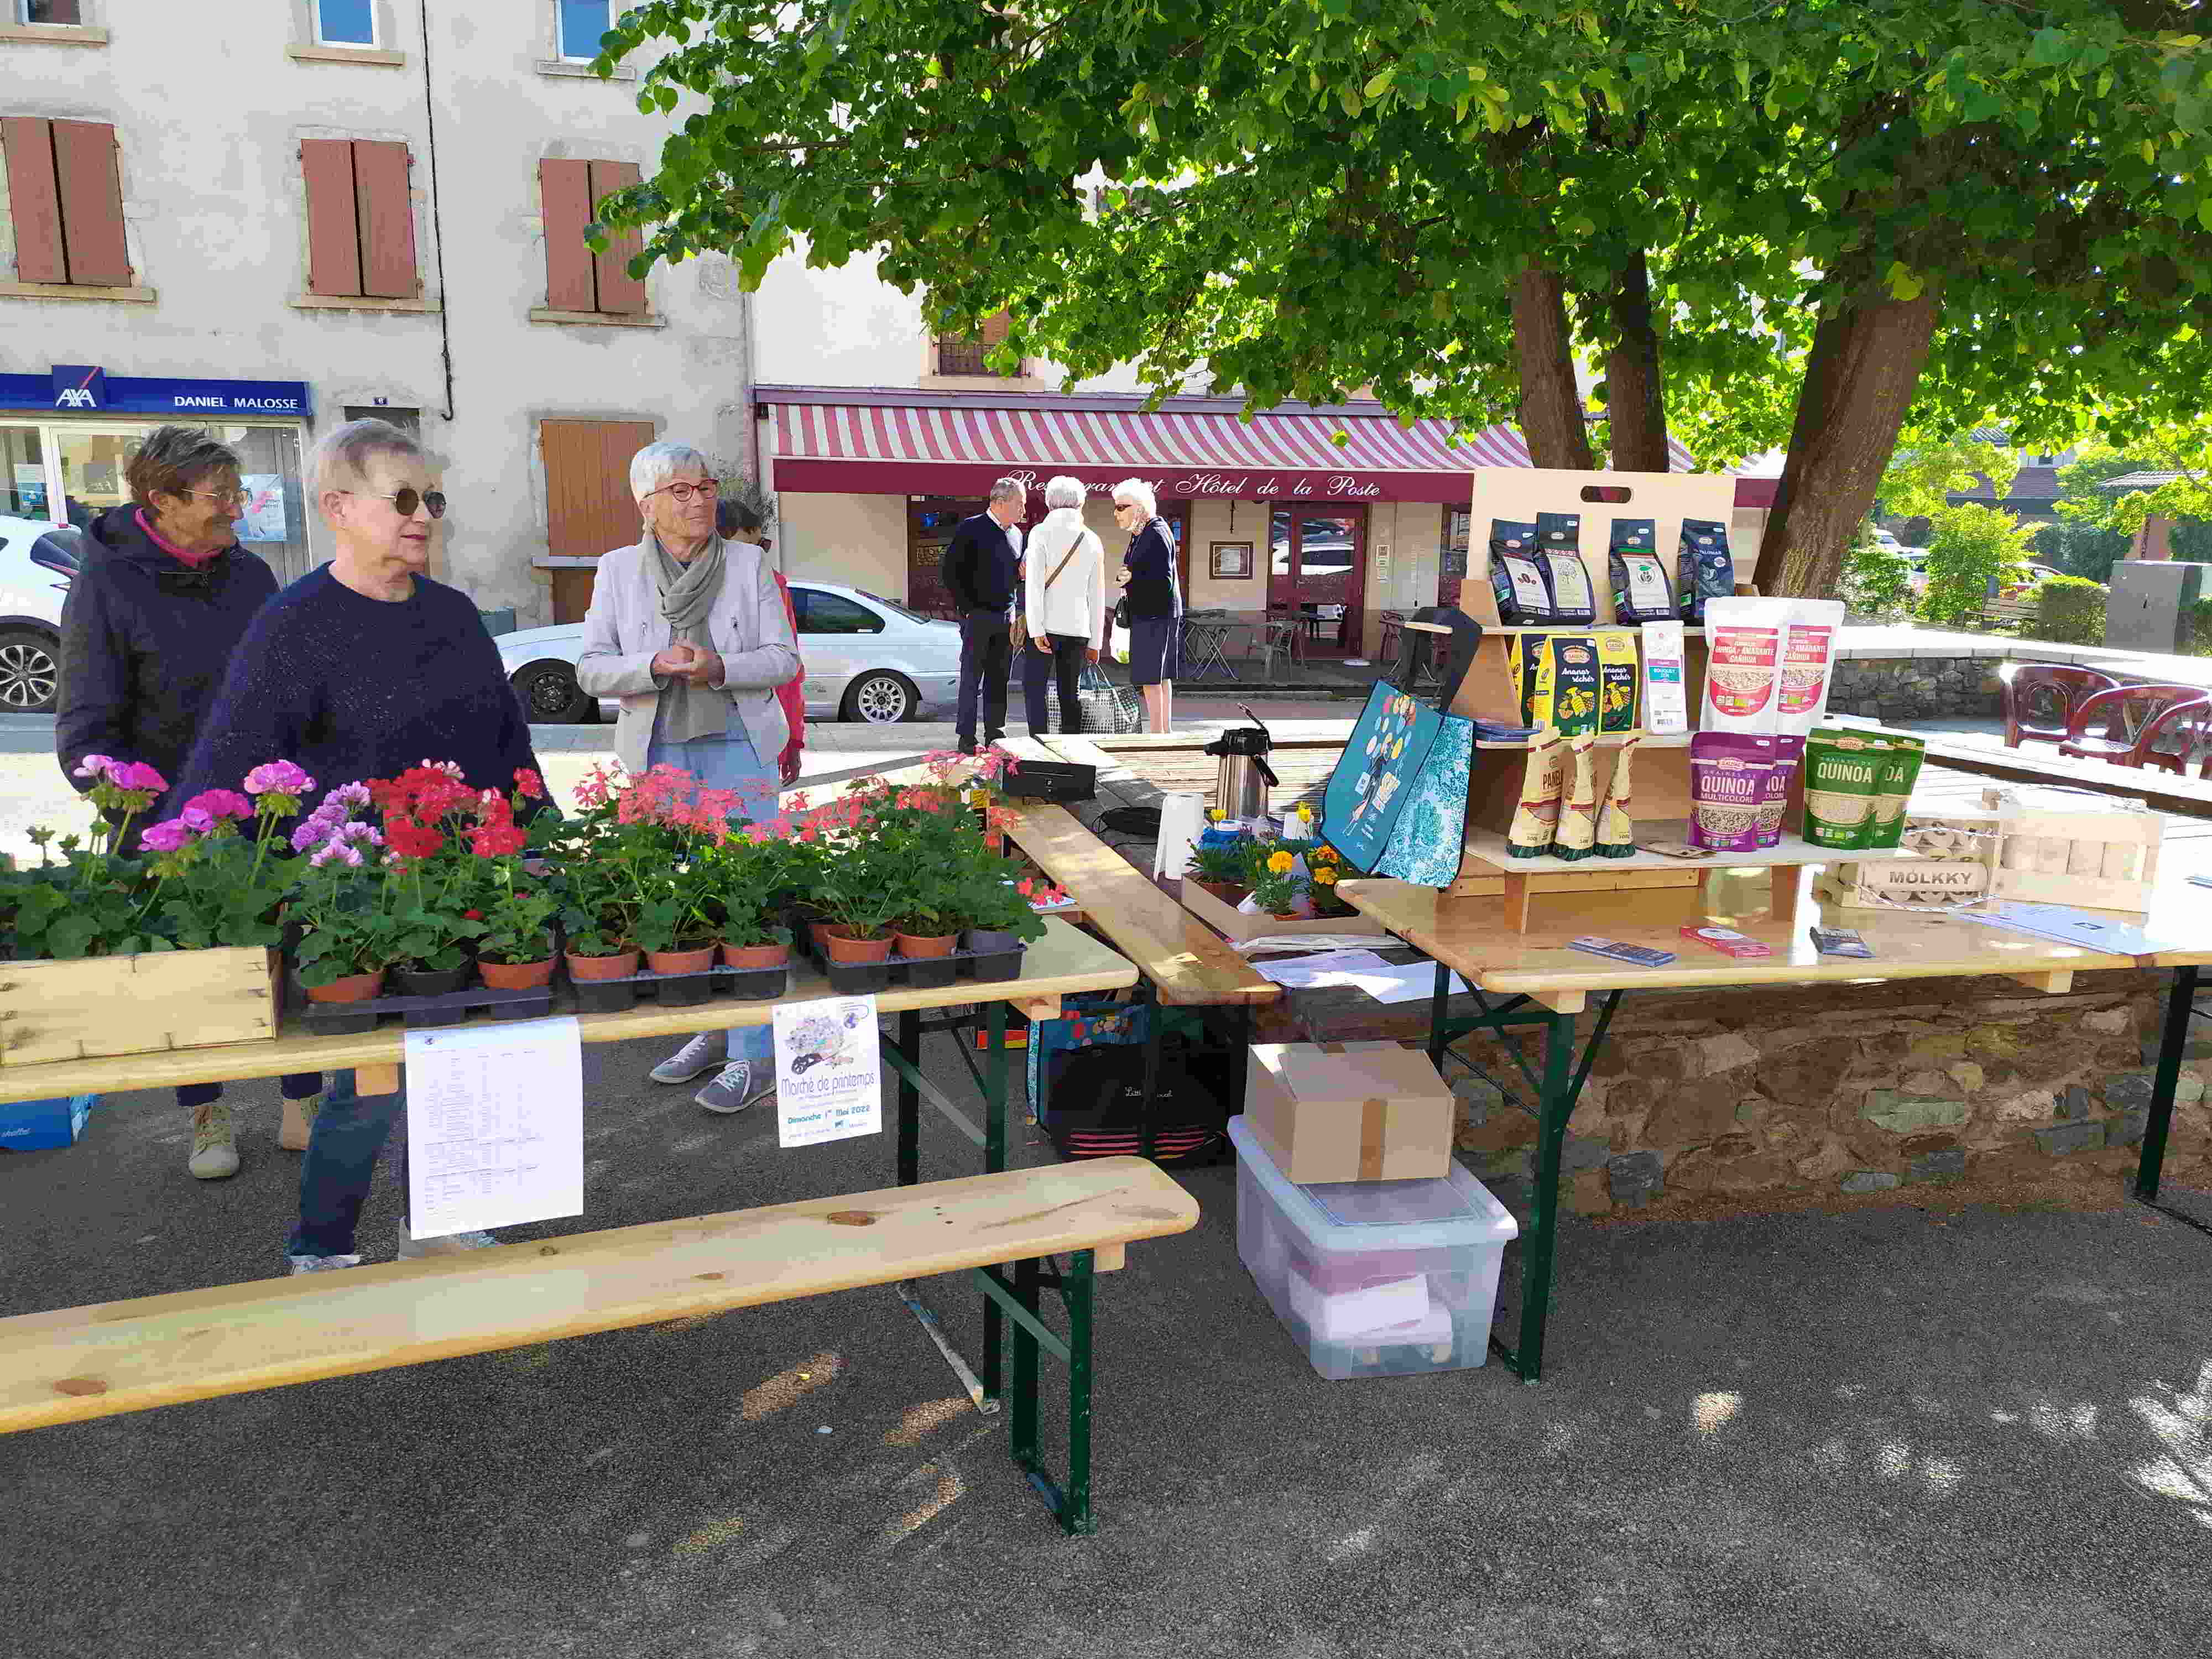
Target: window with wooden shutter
66 197
361 219
970 354
588 508
577 279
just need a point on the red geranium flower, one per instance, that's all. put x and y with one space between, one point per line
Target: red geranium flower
496 840
410 839
473 915
531 786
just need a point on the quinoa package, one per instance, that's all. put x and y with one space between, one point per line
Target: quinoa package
1843 777
1560 545
1641 592
1573 662
1900 770
1616 830
1575 835
1537 812
1516 576
1808 657
1743 662
1616 680
1774 806
1705 569
1729 777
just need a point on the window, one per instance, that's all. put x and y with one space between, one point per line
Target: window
832 613
581 24
576 278
65 194
361 219
967 354
68 12
588 508
408 421
346 22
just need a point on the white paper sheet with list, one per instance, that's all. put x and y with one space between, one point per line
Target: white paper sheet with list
494 1125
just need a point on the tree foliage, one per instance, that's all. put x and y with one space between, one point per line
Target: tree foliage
1969 545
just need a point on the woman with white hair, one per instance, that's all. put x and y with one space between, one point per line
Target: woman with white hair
1063 603
689 631
359 670
1154 598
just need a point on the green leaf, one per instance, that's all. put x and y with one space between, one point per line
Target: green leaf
1380 83
1902 283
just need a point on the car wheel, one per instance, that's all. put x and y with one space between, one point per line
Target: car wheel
882 698
550 695
30 671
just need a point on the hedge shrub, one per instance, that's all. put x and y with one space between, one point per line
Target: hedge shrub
2069 611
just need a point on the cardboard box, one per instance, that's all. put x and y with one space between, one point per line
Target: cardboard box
35 1126
1350 1111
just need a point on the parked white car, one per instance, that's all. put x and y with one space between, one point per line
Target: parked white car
36 562
867 659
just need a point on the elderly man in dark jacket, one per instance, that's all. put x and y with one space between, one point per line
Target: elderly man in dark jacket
160 601
982 565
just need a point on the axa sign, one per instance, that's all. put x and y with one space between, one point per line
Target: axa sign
80 385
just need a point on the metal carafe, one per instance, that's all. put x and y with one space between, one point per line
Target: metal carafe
1243 778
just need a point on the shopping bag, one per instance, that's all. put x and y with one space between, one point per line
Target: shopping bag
1086 1081
1374 775
1117 645
1108 707
1430 836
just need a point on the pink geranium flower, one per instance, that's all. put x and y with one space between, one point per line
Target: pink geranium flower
218 805
166 836
277 777
95 766
136 774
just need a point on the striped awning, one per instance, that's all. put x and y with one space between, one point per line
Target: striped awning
831 439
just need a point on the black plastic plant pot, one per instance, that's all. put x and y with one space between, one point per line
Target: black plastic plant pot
857 978
605 996
428 1019
759 984
341 1024
429 981
996 967
932 973
686 990
983 939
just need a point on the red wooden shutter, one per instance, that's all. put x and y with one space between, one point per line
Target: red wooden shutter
619 291
34 199
92 204
386 207
334 225
564 189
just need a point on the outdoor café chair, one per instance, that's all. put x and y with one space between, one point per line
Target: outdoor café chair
2136 718
2040 698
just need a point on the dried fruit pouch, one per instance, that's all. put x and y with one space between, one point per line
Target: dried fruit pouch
1537 812
1843 776
1743 657
1575 835
1705 569
1729 773
1516 576
1616 680
1641 592
1560 543
1533 677
1616 830
1575 683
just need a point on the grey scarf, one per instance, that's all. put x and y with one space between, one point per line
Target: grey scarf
688 592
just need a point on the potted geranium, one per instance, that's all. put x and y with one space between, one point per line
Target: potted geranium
751 877
89 902
863 889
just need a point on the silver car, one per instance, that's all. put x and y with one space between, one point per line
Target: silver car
867 657
37 560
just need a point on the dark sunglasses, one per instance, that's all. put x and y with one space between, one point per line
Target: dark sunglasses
406 501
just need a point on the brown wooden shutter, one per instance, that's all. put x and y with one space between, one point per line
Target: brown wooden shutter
996 327
386 207
333 220
588 508
619 291
34 199
92 204
564 189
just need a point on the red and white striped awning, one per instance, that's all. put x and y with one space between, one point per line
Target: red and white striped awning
851 441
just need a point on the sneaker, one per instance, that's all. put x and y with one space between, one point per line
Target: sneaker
743 1083
215 1146
414 1249
299 1125
694 1060
321 1264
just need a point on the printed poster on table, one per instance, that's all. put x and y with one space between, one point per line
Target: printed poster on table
828 1071
494 1125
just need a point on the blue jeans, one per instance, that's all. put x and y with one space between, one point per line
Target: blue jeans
297 1085
341 1164
728 763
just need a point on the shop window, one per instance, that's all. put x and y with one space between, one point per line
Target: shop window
581 23
23 483
65 198
346 22
959 354
577 279
1451 556
361 219
832 613
68 13
588 508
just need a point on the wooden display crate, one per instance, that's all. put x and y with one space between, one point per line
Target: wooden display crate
1234 924
164 999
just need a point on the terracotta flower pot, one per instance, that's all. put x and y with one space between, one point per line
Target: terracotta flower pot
819 932
755 956
621 965
842 946
354 988
925 944
516 975
681 962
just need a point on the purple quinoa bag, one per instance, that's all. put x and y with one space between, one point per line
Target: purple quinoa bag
1730 773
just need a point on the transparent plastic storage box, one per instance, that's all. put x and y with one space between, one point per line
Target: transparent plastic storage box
1373 1278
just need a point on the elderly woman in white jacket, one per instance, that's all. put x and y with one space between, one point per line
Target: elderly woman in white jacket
1064 604
689 631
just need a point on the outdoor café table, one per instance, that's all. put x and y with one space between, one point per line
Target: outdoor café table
1532 979
1203 640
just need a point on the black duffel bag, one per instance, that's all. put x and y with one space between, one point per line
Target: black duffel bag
1094 1105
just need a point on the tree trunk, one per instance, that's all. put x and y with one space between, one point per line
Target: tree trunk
1551 409
1635 397
1859 382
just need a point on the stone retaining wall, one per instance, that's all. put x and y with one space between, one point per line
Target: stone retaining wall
1744 1093
1917 688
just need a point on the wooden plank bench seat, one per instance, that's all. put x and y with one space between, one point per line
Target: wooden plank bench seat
74 1364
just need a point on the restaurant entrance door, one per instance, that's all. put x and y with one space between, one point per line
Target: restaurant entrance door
1318 568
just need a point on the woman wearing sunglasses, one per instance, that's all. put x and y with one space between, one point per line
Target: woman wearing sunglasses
154 613
359 670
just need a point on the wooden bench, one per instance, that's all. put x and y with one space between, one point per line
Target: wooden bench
76 1363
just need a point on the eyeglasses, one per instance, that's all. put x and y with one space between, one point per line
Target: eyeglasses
406 501
226 497
687 492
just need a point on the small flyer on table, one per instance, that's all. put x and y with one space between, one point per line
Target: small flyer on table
494 1125
828 1071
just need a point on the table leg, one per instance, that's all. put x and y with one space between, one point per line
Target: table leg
994 1161
909 1100
1437 998
2181 1007
1554 1104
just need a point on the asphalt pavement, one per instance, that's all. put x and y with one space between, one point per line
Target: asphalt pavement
1885 1432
